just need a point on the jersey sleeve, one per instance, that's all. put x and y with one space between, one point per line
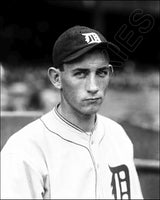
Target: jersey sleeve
19 179
127 150
23 170
136 192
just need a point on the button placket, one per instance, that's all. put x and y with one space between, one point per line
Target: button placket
97 165
95 149
92 142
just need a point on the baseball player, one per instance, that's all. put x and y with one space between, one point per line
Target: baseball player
72 152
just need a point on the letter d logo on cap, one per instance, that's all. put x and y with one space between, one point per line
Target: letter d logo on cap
92 38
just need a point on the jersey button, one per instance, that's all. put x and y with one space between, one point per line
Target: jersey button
92 142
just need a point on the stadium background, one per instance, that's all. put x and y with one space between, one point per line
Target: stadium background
28 30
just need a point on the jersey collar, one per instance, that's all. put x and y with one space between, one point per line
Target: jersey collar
70 123
60 126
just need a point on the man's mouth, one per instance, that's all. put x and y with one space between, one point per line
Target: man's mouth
93 99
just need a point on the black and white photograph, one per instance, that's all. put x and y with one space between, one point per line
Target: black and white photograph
79 100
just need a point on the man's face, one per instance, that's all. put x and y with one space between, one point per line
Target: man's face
84 83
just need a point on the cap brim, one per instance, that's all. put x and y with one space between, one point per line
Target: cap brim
109 46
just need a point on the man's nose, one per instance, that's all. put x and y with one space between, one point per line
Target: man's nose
91 84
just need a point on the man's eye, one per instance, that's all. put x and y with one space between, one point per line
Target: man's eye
103 73
80 74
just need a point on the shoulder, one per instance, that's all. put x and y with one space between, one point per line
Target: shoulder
25 137
26 147
109 122
29 131
115 130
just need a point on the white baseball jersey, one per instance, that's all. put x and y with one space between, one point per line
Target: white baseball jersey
52 158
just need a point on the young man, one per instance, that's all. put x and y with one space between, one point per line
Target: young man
72 152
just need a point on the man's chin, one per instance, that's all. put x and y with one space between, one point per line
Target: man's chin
91 110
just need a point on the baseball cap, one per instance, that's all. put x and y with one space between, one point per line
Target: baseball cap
75 42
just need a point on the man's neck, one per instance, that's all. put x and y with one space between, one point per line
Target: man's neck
85 122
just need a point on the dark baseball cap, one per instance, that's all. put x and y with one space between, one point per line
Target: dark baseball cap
75 42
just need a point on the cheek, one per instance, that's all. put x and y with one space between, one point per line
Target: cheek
103 84
70 89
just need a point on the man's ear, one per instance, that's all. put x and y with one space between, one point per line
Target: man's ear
54 76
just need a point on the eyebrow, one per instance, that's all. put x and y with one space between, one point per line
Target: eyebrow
80 69
103 68
87 69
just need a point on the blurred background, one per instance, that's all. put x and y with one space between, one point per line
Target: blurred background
28 30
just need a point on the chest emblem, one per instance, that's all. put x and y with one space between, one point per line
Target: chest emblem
120 182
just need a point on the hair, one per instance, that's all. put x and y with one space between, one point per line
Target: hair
61 67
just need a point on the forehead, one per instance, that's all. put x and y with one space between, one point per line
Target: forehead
93 59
